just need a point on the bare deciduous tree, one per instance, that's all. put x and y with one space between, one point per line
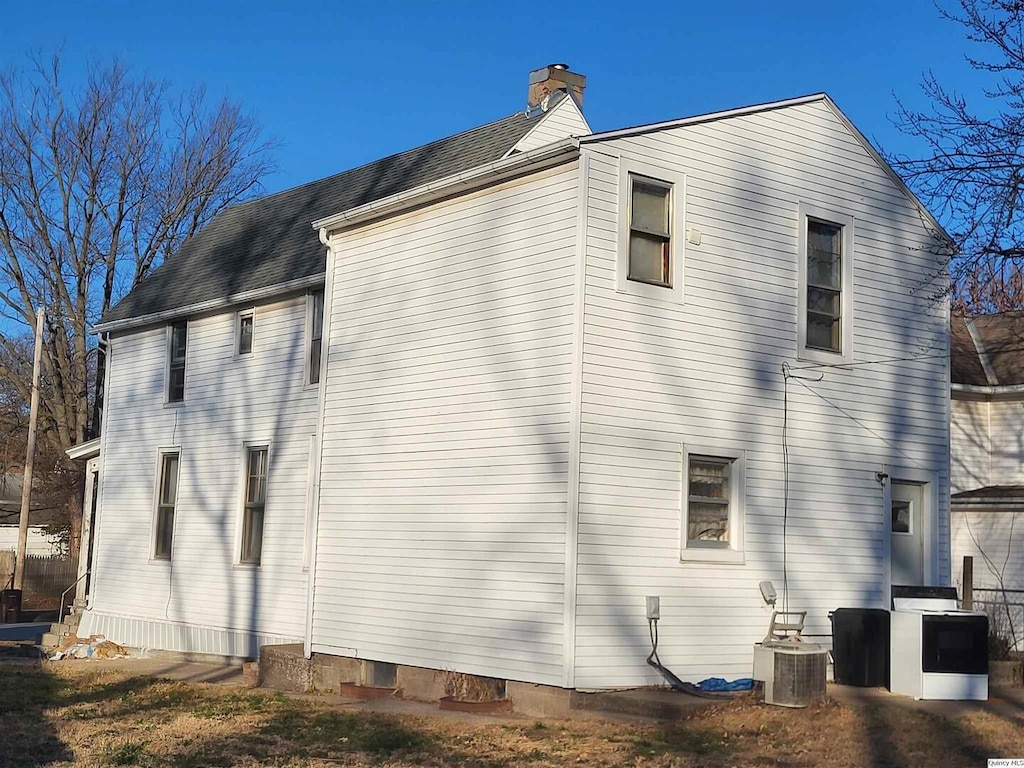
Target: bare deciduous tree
98 183
972 173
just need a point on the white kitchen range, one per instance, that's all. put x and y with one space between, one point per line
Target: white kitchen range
937 650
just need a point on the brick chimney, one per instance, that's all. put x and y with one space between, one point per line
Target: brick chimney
554 77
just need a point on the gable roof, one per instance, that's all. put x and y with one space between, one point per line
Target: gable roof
783 104
268 241
987 350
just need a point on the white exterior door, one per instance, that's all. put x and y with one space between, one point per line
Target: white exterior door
906 526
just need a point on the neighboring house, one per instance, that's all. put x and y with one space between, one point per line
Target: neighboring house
519 379
38 543
987 452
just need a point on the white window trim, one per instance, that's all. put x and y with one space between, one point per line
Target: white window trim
160 453
308 344
168 334
733 554
251 312
677 231
243 476
807 211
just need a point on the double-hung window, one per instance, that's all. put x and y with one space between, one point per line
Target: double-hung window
166 500
826 285
315 324
713 507
176 347
651 231
255 504
245 324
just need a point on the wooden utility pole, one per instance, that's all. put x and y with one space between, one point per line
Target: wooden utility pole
30 453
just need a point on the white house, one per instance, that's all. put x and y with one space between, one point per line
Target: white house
38 543
468 406
987 455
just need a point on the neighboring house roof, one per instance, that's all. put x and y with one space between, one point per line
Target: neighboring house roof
268 241
992 495
987 350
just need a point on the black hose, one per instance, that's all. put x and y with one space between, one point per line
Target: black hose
669 675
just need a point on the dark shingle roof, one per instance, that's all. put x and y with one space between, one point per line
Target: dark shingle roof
1002 338
964 363
270 240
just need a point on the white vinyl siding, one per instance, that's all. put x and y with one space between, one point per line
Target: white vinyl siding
443 491
971 445
563 121
38 541
658 375
1006 422
986 447
259 399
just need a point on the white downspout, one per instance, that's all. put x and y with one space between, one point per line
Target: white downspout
325 346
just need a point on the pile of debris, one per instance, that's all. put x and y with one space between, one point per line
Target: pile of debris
92 647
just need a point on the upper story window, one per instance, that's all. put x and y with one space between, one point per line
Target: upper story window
255 504
244 327
315 324
176 348
167 499
826 285
650 231
713 507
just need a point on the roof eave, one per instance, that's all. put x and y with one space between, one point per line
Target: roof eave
535 159
243 297
87 450
1005 390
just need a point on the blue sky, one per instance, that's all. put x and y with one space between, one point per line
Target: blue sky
338 84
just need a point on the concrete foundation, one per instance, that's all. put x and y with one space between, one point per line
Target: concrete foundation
285 668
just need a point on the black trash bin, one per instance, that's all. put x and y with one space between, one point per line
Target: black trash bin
860 646
10 606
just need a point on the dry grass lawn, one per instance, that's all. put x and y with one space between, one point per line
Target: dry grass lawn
74 715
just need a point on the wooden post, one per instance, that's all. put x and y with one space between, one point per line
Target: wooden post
30 453
968 602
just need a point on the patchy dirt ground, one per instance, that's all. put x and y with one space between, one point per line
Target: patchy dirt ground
73 715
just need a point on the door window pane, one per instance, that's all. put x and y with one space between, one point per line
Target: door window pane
901 516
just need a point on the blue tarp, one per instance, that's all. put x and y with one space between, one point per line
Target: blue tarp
721 684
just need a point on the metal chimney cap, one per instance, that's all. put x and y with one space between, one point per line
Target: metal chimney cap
559 66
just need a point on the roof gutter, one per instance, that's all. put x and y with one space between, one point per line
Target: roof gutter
990 391
507 167
243 297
